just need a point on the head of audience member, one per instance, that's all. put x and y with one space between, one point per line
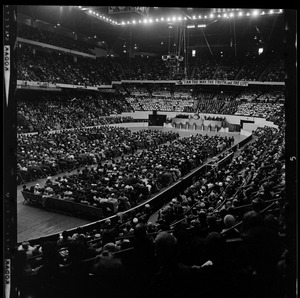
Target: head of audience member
166 247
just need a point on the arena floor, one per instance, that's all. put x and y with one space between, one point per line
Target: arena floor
34 222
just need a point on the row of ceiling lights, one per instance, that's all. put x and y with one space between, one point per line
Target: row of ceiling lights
253 13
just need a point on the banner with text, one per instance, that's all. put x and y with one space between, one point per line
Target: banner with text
213 82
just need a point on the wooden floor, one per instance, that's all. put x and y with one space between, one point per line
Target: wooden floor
33 222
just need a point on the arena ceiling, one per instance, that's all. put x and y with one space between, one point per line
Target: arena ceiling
231 33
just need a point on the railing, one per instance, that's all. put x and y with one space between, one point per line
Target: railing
69 207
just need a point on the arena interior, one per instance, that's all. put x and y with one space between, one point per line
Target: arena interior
152 155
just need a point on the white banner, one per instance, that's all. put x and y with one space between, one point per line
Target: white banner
213 82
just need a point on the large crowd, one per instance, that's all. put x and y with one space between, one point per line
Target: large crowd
222 235
68 110
189 249
43 154
125 182
61 68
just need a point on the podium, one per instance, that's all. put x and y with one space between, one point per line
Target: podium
156 120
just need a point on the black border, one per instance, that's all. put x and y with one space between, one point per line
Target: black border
9 150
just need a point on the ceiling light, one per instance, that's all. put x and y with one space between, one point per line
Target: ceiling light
157 20
262 12
194 17
133 22
145 21
90 11
247 14
271 11
211 15
231 14
162 19
179 18
255 13
240 13
190 26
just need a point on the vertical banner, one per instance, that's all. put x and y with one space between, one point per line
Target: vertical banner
9 196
